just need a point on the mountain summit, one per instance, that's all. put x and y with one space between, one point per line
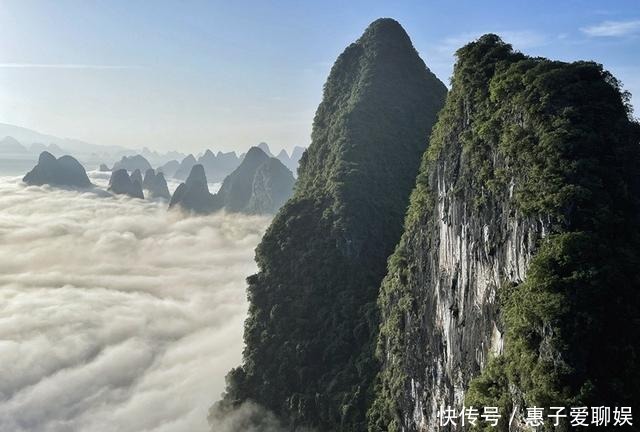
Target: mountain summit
193 195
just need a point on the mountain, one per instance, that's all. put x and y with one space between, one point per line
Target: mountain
132 163
10 145
136 176
515 283
265 148
156 185
218 166
156 158
77 147
272 187
51 148
103 168
170 168
193 195
260 185
184 170
120 183
296 154
292 161
64 171
312 319
283 156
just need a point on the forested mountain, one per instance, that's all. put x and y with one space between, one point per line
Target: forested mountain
312 321
516 281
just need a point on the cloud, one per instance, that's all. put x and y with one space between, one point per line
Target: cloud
116 314
248 417
613 28
64 66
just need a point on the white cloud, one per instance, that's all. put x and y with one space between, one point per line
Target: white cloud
613 28
116 315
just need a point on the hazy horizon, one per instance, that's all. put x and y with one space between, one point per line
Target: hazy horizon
225 76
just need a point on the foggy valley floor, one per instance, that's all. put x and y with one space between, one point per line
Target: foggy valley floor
116 314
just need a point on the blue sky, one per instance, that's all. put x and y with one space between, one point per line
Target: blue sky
189 75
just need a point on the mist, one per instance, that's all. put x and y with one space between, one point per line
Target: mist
115 314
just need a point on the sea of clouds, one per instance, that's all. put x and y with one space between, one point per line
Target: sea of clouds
115 314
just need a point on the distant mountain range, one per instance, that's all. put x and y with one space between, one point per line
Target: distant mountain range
34 142
260 184
23 143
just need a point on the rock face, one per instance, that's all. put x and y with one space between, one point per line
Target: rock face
156 185
132 163
193 195
121 183
311 326
104 168
260 185
64 171
512 286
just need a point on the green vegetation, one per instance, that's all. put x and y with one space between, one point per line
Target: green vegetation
561 136
312 315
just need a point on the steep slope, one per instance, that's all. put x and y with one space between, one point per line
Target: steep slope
292 161
261 184
64 171
136 177
184 170
311 316
515 283
272 186
120 183
265 148
156 185
193 195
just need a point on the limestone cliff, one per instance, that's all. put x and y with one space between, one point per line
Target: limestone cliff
514 284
